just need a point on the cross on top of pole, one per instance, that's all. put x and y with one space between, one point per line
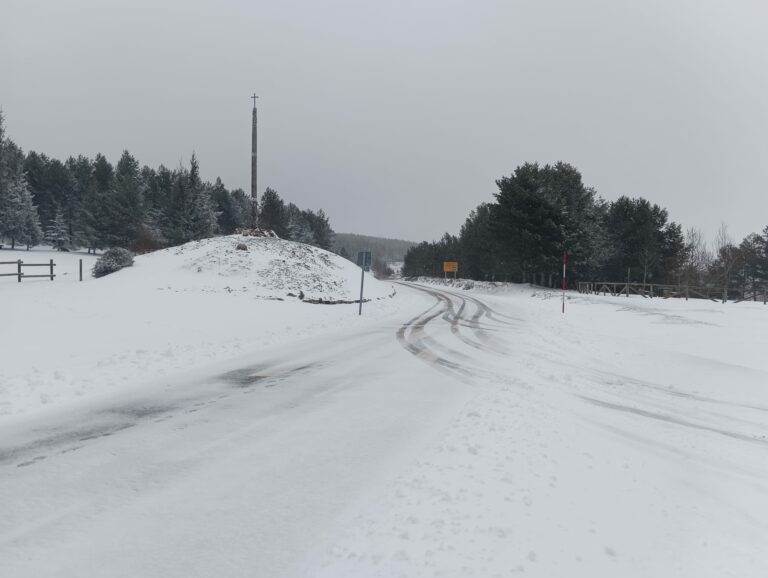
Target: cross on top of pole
254 97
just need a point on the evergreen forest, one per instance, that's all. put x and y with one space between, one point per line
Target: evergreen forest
89 203
538 212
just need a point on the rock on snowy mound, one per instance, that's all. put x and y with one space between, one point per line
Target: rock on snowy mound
263 267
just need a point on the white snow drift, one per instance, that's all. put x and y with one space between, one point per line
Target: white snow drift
172 311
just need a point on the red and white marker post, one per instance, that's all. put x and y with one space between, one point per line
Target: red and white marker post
565 260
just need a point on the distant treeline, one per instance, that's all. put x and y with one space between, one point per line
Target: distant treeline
539 211
388 250
89 203
385 252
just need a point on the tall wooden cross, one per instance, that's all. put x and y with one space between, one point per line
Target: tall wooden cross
254 167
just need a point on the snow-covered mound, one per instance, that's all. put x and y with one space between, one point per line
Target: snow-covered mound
266 268
172 311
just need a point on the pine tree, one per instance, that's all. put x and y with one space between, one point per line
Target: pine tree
96 204
124 207
22 222
203 217
3 171
179 208
75 212
226 208
12 188
11 213
644 242
242 209
33 233
321 229
273 214
479 254
299 229
57 233
526 224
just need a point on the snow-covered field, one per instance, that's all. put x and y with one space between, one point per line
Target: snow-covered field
196 430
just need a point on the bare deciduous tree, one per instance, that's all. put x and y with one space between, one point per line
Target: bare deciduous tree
697 258
726 255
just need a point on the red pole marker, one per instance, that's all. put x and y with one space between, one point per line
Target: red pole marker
565 260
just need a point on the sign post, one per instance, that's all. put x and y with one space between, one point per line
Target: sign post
364 262
450 267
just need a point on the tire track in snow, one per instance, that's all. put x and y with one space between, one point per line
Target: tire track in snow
413 337
675 420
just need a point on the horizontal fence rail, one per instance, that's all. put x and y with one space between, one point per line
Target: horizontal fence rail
664 291
21 264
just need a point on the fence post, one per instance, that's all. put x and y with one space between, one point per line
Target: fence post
51 269
18 263
81 269
628 282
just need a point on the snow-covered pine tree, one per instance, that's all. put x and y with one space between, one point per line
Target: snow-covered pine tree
6 219
242 210
22 223
321 229
150 236
78 200
227 220
203 217
299 229
272 213
3 170
203 220
96 205
11 213
124 204
57 233
33 232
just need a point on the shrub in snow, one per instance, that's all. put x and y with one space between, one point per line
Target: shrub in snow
112 260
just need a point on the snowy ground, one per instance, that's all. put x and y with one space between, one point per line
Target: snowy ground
172 311
628 438
448 433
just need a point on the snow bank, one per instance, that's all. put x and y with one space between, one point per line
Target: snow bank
268 268
172 311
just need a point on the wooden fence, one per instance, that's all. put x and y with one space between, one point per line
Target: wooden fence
21 264
651 290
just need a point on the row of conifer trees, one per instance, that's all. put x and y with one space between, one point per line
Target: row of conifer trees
540 211
90 203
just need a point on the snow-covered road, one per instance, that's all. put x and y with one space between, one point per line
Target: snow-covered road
239 473
470 436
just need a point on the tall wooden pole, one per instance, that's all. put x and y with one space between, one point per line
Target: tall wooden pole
254 184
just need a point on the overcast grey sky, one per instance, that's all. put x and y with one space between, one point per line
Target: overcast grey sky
396 117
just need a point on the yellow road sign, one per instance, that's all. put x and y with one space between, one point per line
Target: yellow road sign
450 266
